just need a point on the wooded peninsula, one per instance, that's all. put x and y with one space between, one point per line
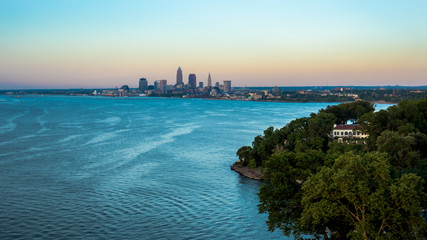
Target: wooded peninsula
329 179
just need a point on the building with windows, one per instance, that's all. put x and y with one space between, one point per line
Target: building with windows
156 85
209 81
179 77
227 86
192 81
348 132
143 84
162 83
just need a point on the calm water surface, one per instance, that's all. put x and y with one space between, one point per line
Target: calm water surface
131 168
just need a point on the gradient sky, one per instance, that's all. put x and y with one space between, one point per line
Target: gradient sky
89 43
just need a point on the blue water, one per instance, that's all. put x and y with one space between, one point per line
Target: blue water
131 168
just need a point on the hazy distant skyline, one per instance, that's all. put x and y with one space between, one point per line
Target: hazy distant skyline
74 44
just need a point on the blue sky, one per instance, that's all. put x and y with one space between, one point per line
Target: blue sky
253 43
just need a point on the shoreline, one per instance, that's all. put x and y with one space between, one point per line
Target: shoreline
203 98
382 102
248 172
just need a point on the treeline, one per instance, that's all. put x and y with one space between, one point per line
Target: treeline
364 94
317 186
294 96
388 96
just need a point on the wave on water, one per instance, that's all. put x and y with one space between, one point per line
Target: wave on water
111 120
41 122
254 132
69 138
11 125
131 153
105 136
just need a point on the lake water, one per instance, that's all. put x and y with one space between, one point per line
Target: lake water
131 168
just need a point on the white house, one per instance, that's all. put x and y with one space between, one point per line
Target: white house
348 132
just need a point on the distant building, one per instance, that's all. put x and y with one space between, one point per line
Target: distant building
156 85
227 86
217 84
166 88
162 83
179 77
200 84
276 90
143 84
125 88
192 81
255 96
209 80
214 92
108 93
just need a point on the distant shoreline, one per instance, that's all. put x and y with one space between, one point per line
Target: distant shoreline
204 98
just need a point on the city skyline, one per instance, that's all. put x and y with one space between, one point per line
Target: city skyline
253 43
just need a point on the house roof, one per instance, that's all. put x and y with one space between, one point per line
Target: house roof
346 127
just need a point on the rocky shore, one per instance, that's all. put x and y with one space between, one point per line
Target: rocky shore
254 173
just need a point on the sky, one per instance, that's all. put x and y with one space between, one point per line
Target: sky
104 44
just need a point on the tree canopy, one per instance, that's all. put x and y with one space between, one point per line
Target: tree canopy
319 187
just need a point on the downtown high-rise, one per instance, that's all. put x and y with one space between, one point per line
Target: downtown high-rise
143 84
192 81
209 81
227 86
179 76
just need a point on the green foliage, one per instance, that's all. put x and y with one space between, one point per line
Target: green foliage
400 131
323 188
245 155
281 197
400 148
407 117
252 163
359 192
349 111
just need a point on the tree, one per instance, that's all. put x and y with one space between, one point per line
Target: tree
400 148
349 111
245 155
281 196
357 198
312 186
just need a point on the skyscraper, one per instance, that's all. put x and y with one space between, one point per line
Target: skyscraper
163 86
143 84
192 80
227 86
156 85
209 80
179 76
162 83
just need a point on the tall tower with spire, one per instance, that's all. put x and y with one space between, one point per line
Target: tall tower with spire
209 80
179 76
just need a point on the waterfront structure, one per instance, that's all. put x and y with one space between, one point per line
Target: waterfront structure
179 77
209 80
227 86
200 84
143 84
192 80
